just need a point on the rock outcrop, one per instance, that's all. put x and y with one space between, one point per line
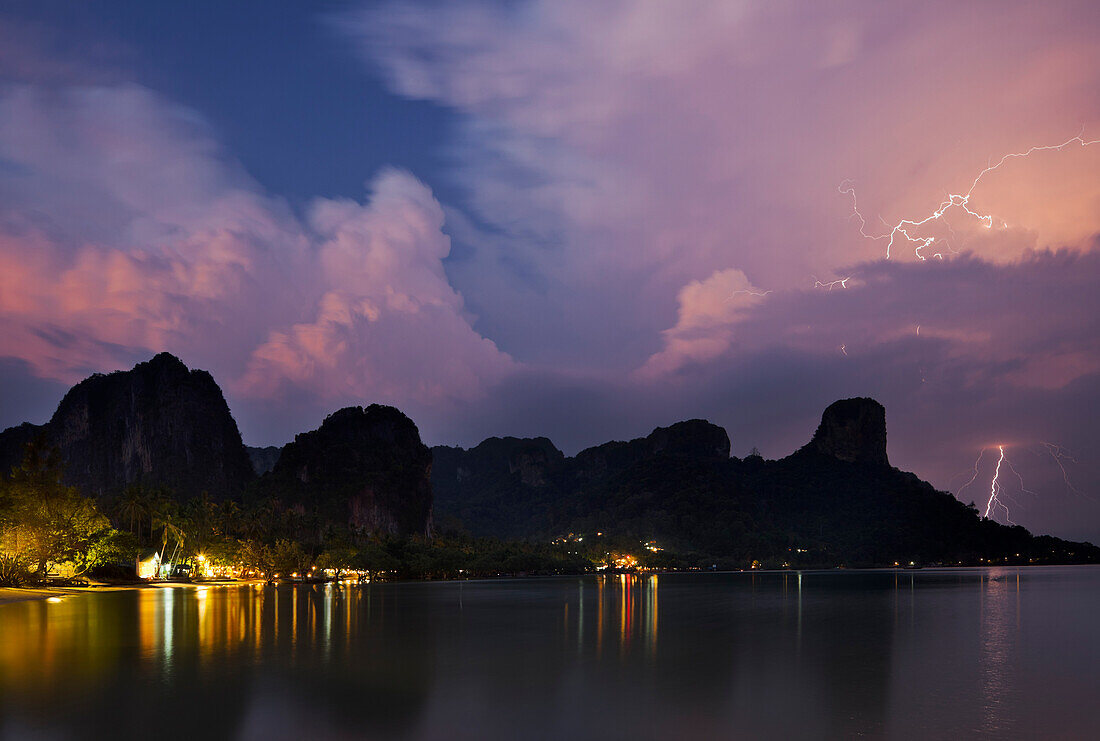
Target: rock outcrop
510 486
263 459
159 424
852 430
365 467
692 439
531 461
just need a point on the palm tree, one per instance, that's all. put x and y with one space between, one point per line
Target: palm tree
132 505
231 515
175 532
161 510
259 521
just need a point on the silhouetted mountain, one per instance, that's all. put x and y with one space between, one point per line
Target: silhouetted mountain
365 468
162 425
158 424
852 430
836 500
12 442
263 459
511 487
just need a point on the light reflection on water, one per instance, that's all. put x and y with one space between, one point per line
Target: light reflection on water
911 654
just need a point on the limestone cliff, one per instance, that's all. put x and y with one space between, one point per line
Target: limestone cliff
159 424
852 430
365 467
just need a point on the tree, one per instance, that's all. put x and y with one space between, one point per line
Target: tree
133 506
231 517
46 522
288 557
161 509
255 555
201 522
339 558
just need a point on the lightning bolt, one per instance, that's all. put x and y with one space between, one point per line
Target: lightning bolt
997 492
831 284
758 294
1058 453
973 478
995 489
907 229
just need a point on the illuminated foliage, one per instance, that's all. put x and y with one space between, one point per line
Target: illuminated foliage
45 522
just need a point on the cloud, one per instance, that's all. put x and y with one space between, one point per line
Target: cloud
622 151
704 329
629 176
388 325
125 229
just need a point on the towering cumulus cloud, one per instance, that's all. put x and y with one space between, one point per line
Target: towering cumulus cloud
388 323
125 229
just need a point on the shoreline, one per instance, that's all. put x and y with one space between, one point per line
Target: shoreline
10 595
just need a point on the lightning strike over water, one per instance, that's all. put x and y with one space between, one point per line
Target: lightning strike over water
999 496
906 229
994 489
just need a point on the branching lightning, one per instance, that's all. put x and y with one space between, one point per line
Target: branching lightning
1060 454
999 497
758 294
995 489
973 478
908 229
829 285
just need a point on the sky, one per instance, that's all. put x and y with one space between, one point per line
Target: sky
572 219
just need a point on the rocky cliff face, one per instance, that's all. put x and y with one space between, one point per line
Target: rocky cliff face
513 487
852 430
363 467
835 501
12 442
693 439
263 459
158 424
531 461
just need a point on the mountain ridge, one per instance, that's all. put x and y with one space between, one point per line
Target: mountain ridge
365 471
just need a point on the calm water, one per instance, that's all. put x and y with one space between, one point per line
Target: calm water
919 654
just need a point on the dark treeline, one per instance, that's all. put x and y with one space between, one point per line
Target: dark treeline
50 529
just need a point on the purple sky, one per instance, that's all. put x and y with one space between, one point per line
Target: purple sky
576 219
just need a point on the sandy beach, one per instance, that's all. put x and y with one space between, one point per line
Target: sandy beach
12 594
24 594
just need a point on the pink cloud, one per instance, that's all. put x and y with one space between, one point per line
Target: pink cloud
704 328
389 324
125 230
